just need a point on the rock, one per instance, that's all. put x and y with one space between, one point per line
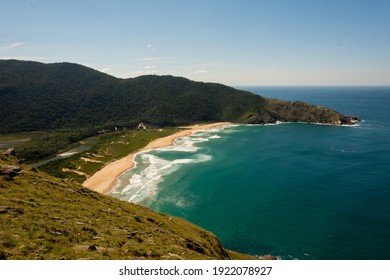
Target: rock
92 248
354 118
195 247
256 119
10 170
268 257
349 120
142 126
12 210
9 152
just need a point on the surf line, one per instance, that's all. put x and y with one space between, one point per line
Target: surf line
106 179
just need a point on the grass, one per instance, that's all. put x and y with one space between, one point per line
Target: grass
43 217
20 140
111 146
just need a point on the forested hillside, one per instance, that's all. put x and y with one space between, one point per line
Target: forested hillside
66 102
36 96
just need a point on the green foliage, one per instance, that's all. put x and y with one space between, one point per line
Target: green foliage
111 146
36 96
67 102
46 144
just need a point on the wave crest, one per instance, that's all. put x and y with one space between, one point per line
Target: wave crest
153 166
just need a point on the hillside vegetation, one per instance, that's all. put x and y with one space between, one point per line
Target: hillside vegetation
66 102
36 96
110 147
43 217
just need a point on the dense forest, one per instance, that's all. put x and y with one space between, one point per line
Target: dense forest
36 96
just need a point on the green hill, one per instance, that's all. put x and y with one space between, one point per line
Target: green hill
43 217
69 102
36 96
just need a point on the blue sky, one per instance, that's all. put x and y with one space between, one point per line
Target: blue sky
244 42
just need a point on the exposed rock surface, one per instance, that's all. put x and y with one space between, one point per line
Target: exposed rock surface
9 152
141 125
10 170
349 120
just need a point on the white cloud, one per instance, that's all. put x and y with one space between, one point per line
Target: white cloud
150 46
13 45
105 70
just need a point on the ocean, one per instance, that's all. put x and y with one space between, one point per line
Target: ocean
292 190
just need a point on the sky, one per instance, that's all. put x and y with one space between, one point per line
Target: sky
243 42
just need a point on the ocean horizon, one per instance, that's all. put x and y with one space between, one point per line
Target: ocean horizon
292 190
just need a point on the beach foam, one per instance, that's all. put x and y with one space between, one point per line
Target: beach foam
144 180
184 144
152 166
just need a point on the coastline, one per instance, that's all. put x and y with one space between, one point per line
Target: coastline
105 180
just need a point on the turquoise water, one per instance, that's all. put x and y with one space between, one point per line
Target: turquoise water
297 191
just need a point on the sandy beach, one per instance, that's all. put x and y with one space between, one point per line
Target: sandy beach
104 181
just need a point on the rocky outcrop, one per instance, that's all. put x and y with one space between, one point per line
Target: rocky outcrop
143 126
296 111
349 120
10 170
9 152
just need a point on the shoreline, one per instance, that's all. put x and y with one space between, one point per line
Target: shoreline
105 180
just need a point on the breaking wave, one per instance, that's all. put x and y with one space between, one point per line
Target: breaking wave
152 167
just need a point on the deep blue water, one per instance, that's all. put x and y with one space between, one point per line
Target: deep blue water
297 191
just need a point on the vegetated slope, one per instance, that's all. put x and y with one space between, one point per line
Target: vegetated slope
43 217
36 96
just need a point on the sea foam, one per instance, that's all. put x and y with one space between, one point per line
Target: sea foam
144 184
151 167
